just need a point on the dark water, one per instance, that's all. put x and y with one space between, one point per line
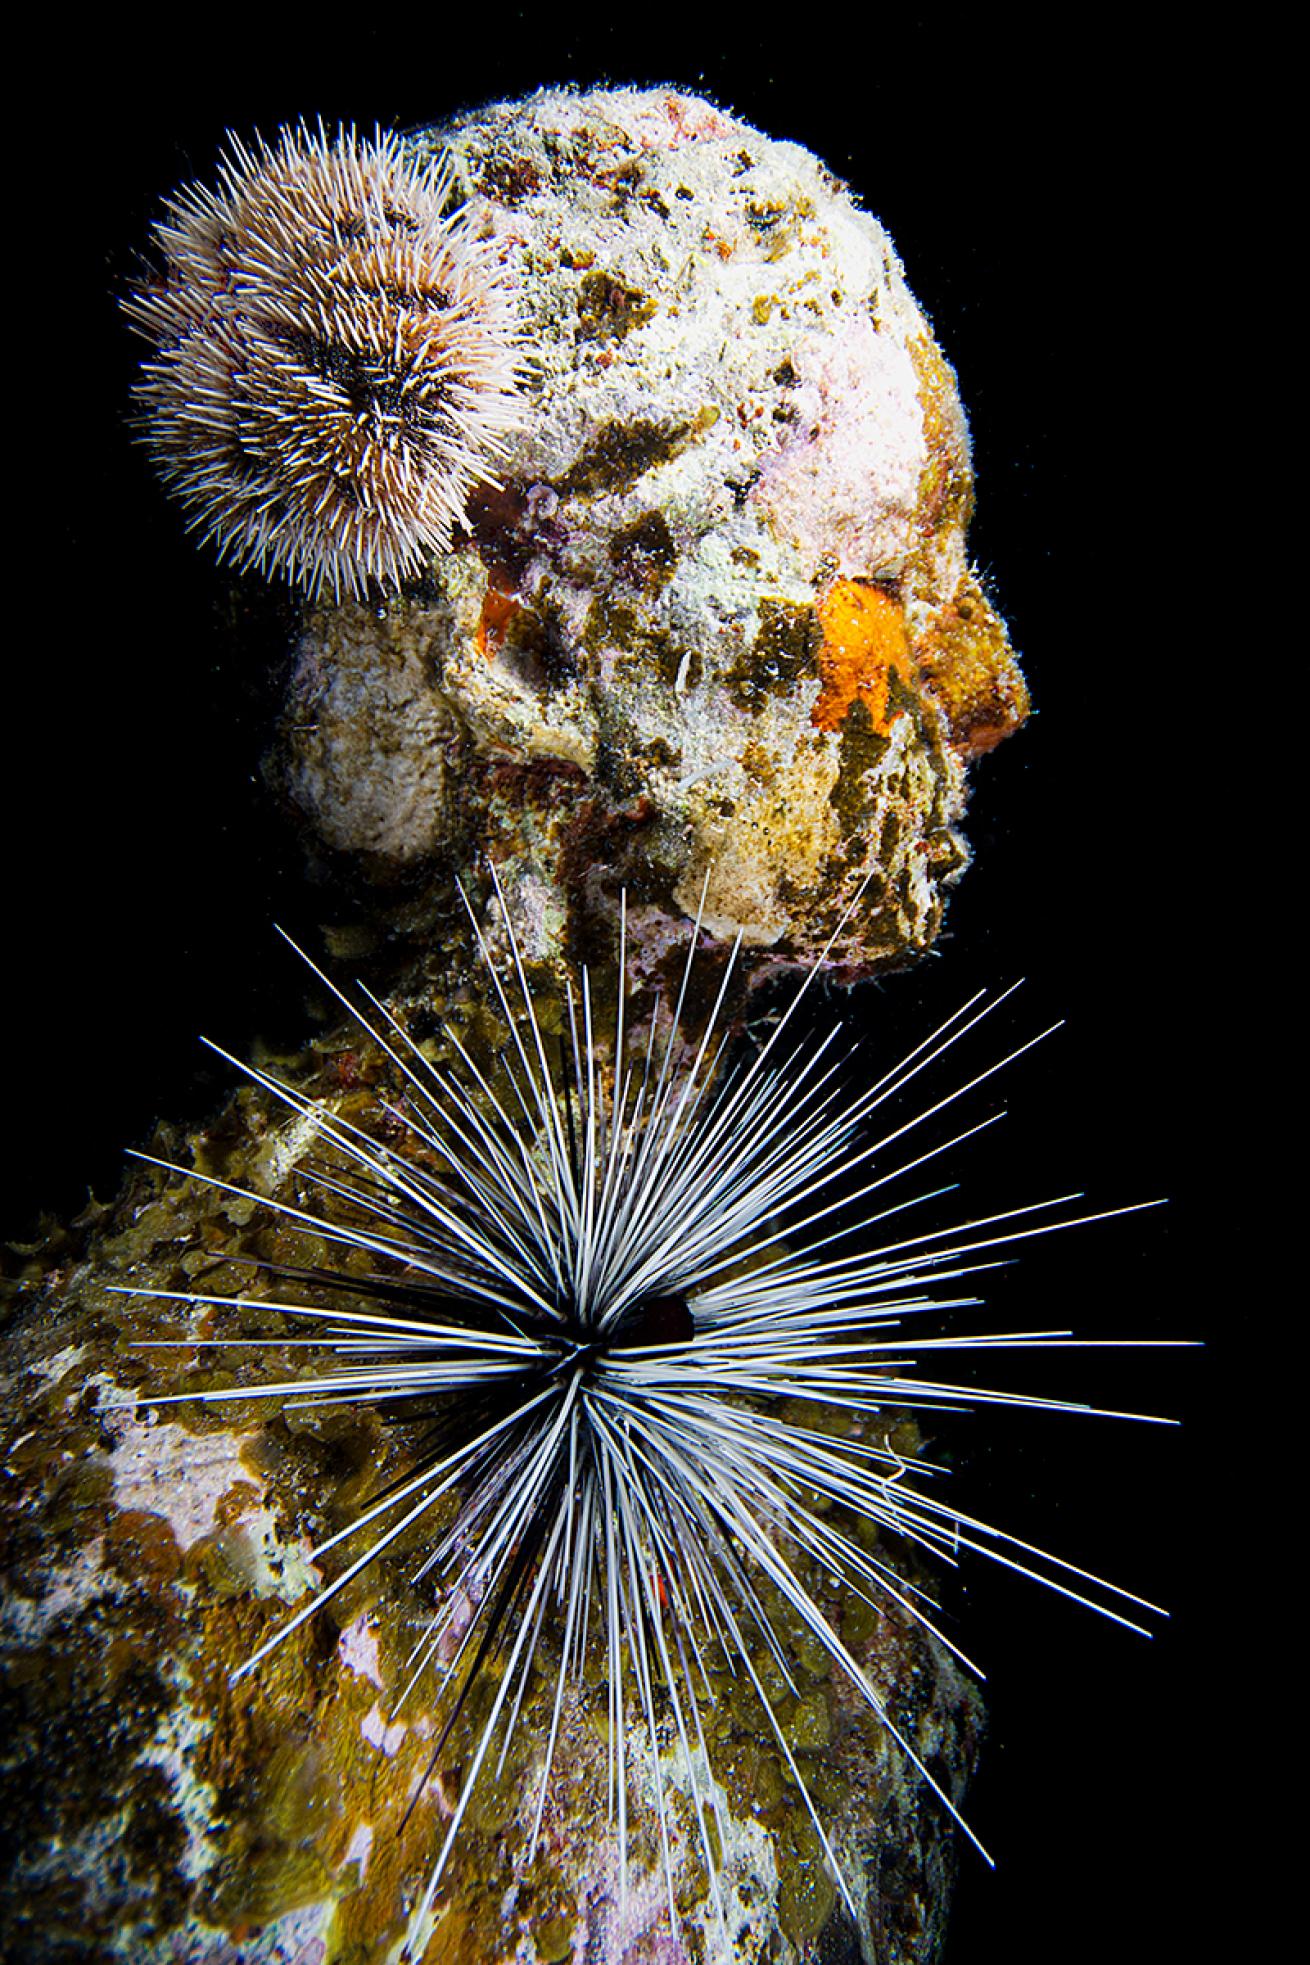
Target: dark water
1049 234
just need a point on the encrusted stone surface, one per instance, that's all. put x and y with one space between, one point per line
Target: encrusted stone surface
717 623
160 1813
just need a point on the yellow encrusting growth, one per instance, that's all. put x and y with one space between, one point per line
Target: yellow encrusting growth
969 669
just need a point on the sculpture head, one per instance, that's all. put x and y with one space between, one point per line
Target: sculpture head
702 619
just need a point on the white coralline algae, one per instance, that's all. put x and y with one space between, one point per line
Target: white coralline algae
716 621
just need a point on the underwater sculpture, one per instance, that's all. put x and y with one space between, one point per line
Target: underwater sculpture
716 616
708 649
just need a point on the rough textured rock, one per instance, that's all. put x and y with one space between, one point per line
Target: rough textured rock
717 623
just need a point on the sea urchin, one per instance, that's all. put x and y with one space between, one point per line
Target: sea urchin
607 1280
335 359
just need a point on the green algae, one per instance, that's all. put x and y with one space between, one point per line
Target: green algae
783 654
609 309
644 551
620 453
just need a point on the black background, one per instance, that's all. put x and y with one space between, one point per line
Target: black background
1065 214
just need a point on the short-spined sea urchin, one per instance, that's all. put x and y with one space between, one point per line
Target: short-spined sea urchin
335 359
609 1275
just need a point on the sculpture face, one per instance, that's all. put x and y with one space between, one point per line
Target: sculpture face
716 624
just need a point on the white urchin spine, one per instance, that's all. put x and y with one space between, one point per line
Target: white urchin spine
336 359
574 1275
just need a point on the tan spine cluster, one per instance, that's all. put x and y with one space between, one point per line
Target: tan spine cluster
336 362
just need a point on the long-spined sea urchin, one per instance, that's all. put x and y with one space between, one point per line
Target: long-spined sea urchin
602 1279
335 360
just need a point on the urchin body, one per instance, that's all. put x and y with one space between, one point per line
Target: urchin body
336 360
